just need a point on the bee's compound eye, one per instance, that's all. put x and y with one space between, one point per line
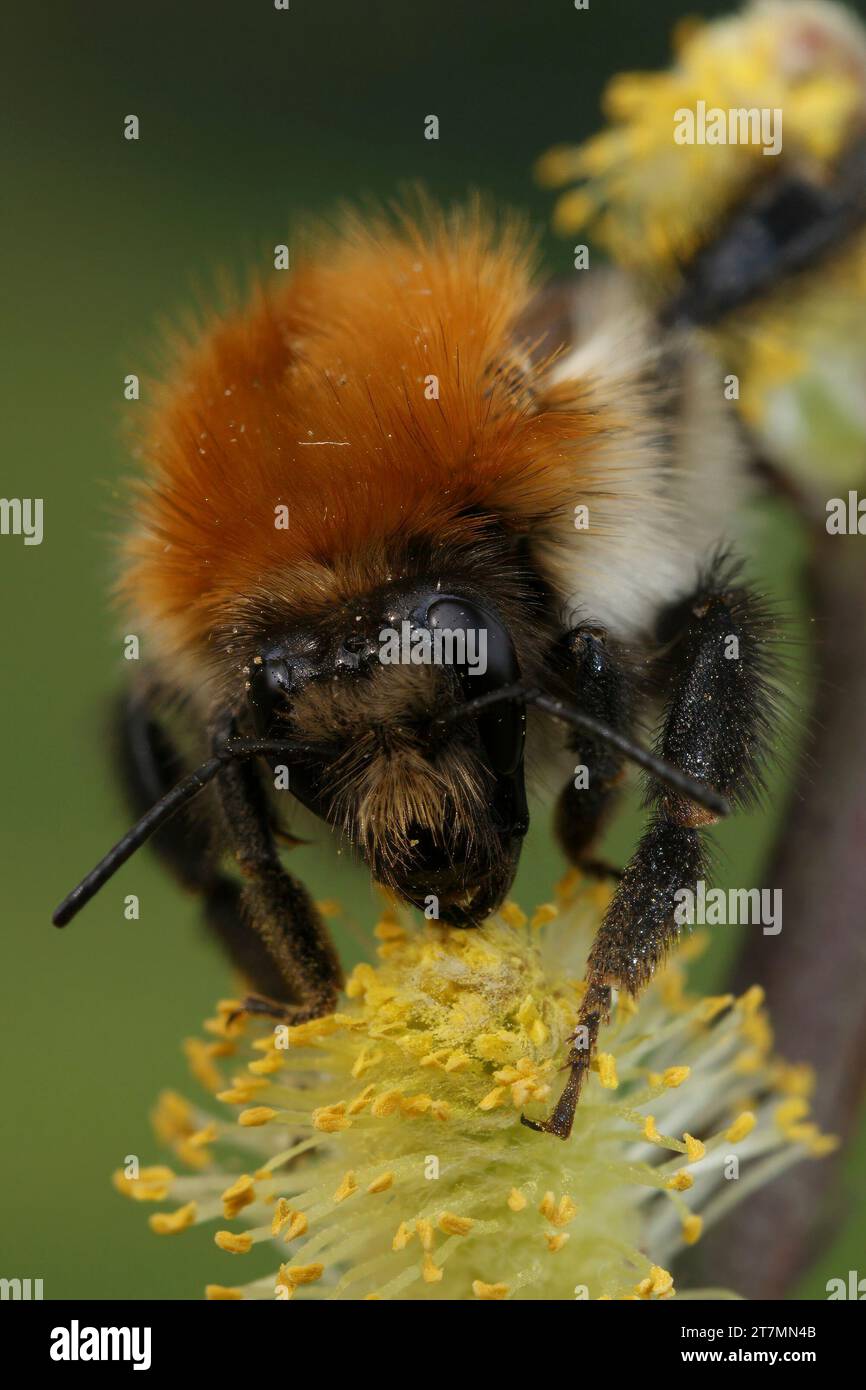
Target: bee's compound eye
489 663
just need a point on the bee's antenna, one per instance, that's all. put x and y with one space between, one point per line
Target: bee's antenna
183 792
663 771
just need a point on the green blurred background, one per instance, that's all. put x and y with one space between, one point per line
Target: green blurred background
249 118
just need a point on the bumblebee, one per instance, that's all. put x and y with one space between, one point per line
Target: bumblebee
401 437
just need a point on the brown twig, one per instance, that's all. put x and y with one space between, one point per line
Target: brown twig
814 973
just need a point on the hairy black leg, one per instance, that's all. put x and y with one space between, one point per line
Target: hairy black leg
274 904
597 678
717 664
150 765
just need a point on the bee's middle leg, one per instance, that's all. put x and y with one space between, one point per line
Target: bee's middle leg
600 682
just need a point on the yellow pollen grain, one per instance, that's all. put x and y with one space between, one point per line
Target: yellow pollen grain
662 1281
347 1188
516 1199
219 1293
329 1119
675 1076
329 907
556 1241
453 1225
232 1243
380 1184
430 1271
402 1236
695 1149
239 1195
680 1182
692 1228
606 1063
489 1293
170 1223
742 1126
255 1116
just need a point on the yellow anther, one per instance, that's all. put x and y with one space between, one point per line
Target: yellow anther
695 1150
430 1271
219 1293
255 1116
493 1098
417 1105
547 1206
680 1182
513 915
542 915
455 1225
330 1119
675 1076
239 1195
714 1005
692 1228
329 907
361 1101
743 1125
516 1199
297 1227
380 1184
752 1000
389 930
152 1184
556 1242
368 1057
496 1047
490 1293
266 1066
402 1236
347 1188
426 1234
662 1282
291 1276
606 1064
649 1129
169 1223
386 1104
233 1244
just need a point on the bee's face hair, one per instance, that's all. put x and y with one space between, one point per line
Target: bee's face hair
436 810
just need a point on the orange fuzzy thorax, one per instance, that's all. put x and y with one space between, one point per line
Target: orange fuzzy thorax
317 398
